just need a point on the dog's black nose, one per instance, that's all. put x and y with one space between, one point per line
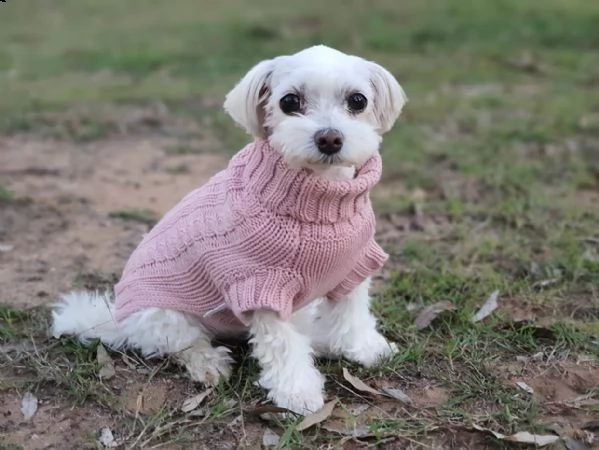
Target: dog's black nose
328 141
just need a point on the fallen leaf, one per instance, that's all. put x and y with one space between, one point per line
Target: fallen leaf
28 405
268 413
319 416
359 384
398 394
430 313
489 306
525 387
5 248
107 438
199 412
270 438
106 363
191 403
522 437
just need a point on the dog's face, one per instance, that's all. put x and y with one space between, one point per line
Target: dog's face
319 107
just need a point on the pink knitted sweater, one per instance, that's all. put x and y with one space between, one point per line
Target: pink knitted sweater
259 234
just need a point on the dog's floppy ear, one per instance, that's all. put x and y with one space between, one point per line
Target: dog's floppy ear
245 102
389 97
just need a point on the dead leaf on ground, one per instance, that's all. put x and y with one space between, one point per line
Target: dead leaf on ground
191 403
106 364
5 248
28 405
270 438
525 387
522 437
359 384
489 306
398 394
319 416
107 438
430 313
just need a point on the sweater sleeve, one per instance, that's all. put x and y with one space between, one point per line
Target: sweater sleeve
370 261
271 289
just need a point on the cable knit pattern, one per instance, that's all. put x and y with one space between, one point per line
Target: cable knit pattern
259 234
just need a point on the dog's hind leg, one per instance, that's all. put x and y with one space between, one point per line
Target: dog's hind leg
152 331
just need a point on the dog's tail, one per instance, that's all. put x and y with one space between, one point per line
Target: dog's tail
88 315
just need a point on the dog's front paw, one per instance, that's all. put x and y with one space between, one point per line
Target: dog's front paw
303 403
371 350
301 393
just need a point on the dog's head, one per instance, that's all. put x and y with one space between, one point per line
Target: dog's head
319 107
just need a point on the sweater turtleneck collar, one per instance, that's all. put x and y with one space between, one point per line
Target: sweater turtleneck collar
302 194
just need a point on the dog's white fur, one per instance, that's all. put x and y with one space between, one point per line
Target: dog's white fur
323 78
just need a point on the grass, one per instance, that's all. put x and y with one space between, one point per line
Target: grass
491 181
134 215
5 195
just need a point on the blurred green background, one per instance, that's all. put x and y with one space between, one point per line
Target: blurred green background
500 134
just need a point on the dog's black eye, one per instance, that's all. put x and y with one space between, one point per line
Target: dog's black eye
290 104
356 102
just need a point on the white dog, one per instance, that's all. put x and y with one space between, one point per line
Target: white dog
279 246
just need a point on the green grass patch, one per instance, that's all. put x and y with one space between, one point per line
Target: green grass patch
135 215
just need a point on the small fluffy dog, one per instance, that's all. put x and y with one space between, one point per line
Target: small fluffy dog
278 248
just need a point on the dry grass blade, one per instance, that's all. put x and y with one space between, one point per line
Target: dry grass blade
430 313
398 394
191 403
359 384
489 306
107 370
319 416
522 437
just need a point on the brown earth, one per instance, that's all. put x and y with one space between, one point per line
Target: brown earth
65 193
